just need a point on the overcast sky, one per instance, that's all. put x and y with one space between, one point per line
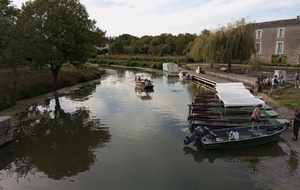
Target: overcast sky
154 17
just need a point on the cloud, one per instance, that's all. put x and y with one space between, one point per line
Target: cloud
145 17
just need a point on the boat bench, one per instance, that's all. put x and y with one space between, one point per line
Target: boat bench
245 136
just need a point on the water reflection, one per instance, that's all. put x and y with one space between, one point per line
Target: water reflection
144 94
249 156
293 161
84 92
60 144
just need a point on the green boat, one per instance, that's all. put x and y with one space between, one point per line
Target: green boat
246 137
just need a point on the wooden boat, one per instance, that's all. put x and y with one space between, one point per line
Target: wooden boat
231 106
144 81
221 138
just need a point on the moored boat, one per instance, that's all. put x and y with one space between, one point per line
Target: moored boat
144 81
231 106
240 137
170 69
185 76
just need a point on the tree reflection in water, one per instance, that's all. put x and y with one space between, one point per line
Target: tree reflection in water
59 144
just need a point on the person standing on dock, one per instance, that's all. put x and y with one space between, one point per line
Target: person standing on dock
296 124
256 117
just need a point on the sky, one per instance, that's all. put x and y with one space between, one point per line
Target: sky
155 17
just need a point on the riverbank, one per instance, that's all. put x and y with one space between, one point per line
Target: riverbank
272 101
29 83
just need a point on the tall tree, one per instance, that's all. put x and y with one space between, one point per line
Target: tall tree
8 13
56 32
234 43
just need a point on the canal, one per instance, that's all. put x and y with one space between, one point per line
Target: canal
108 135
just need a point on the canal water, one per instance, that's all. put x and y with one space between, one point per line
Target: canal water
108 135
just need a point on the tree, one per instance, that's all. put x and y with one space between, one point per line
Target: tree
57 32
234 43
8 15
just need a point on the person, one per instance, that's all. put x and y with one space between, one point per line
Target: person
255 88
256 116
274 85
279 59
297 82
269 81
296 124
282 82
234 135
198 132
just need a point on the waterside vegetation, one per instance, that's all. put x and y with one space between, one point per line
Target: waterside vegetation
32 83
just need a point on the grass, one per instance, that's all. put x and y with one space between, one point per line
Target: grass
288 97
31 83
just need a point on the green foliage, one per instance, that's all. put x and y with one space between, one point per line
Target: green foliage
154 62
288 97
164 44
255 64
276 60
37 82
233 43
57 32
8 13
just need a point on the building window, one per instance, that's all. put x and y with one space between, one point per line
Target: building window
258 47
279 48
280 33
258 34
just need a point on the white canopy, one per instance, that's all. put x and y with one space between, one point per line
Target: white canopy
236 94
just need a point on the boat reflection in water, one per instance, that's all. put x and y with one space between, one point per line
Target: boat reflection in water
144 94
246 154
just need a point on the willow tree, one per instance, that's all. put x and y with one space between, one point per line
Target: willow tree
234 43
197 50
57 32
240 44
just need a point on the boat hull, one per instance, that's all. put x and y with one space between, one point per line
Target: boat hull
255 139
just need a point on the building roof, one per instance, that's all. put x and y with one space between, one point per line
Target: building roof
278 23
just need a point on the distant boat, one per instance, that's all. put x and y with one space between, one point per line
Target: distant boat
144 81
185 76
170 69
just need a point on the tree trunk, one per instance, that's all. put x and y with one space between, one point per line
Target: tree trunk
229 66
54 70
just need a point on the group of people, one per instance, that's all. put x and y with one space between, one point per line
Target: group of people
273 82
265 82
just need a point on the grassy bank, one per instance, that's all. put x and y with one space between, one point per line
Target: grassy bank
31 83
287 97
145 61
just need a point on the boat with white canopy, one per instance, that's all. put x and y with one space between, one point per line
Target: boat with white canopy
231 106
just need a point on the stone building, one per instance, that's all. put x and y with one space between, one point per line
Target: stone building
278 42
